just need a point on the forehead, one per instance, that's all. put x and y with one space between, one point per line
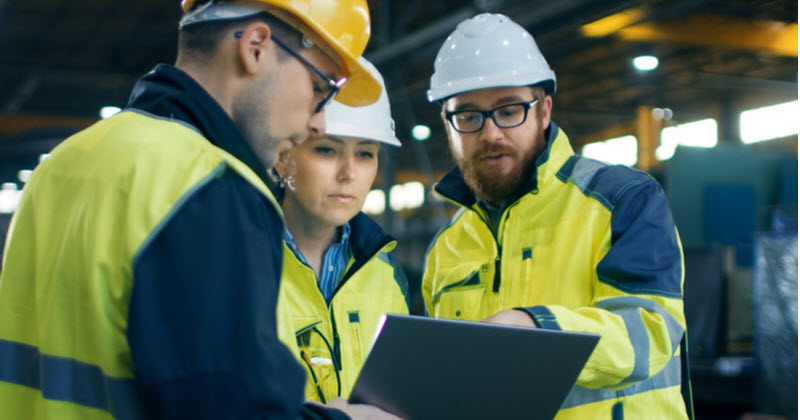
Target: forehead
490 97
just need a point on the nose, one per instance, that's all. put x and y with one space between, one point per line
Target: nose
490 131
316 123
347 169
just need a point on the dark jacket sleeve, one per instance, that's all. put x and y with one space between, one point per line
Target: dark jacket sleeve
201 324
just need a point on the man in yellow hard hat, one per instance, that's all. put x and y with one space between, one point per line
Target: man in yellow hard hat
142 266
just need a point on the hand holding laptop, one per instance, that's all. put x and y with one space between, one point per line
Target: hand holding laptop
356 411
513 317
361 411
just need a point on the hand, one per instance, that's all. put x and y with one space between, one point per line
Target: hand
514 317
361 411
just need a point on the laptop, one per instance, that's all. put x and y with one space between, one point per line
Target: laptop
425 368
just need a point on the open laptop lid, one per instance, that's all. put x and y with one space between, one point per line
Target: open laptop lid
425 368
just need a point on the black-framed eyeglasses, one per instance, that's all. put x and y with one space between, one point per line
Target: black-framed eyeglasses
505 116
328 89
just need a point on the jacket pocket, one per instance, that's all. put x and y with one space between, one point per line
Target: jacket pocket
461 300
354 320
316 356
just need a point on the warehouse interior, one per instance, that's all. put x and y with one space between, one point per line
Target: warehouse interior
715 122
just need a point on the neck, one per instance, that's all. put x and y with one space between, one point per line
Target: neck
214 79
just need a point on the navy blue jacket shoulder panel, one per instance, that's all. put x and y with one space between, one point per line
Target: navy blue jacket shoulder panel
643 235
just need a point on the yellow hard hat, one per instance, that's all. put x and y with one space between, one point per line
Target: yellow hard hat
344 25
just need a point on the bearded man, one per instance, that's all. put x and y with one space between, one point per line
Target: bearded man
548 239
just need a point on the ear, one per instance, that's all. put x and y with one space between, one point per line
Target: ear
280 165
547 108
254 46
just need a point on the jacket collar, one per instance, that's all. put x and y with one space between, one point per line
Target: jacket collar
556 152
170 93
367 238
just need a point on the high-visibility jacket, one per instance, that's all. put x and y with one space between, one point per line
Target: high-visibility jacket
332 340
141 272
589 248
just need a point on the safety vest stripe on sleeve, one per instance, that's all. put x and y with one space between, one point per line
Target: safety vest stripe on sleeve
669 377
637 334
674 327
65 379
628 308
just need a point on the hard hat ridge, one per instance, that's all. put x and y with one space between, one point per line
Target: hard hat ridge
485 51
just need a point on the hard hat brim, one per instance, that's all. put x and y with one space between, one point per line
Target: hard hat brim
548 82
361 88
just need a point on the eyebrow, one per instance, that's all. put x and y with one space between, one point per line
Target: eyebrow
366 142
333 139
511 99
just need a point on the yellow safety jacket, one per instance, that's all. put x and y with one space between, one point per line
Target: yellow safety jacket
333 340
141 272
588 248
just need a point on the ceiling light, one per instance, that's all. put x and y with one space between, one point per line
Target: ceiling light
645 62
108 111
421 132
24 175
613 23
375 203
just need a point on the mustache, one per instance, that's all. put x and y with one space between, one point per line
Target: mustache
494 149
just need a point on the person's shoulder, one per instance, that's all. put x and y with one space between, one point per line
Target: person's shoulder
605 181
151 133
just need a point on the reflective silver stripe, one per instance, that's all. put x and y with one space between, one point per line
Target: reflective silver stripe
670 376
628 308
584 171
637 334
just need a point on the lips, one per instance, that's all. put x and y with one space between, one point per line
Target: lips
344 198
495 156
495 152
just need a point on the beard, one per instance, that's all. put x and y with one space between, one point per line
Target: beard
493 183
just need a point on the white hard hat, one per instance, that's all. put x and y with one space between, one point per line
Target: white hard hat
371 122
485 51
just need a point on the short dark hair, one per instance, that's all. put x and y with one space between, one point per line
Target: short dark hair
202 38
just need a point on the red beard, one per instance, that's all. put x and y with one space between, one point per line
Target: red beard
495 183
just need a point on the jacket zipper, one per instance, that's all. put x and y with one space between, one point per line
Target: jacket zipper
496 283
337 356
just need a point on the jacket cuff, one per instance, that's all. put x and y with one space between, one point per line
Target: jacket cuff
542 317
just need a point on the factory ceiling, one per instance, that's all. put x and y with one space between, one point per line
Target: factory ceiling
62 60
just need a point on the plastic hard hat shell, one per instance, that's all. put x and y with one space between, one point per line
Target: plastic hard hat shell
486 51
344 25
371 122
